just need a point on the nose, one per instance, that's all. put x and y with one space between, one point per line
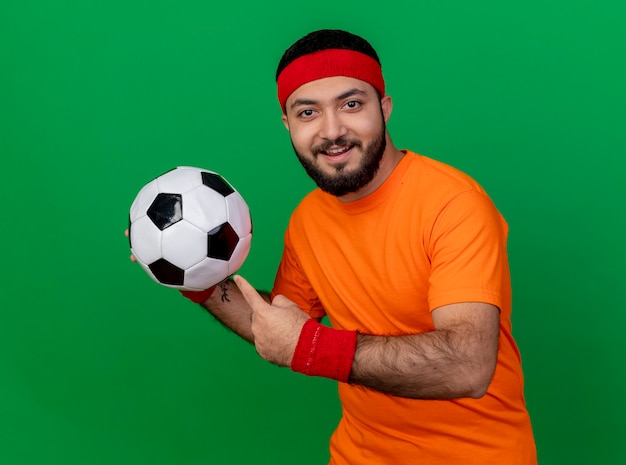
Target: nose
332 126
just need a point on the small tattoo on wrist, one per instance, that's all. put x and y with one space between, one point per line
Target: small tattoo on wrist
224 287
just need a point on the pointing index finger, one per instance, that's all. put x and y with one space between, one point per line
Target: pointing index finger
249 293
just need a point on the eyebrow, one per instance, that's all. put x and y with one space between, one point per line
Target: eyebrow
346 94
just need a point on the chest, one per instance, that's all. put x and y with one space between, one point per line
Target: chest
371 271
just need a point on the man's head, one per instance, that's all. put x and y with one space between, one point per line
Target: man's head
332 93
326 53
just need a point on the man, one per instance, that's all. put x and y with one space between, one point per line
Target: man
407 258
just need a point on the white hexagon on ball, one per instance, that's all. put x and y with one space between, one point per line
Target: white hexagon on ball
196 208
179 180
183 244
241 223
144 199
209 270
145 238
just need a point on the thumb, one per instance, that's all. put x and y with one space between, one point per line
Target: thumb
249 293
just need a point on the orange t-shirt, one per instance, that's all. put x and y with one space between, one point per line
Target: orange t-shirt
428 237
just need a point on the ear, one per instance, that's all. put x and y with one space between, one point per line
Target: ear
386 105
285 121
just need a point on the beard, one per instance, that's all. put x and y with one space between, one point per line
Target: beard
343 181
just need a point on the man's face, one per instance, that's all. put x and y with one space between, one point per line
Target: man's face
337 129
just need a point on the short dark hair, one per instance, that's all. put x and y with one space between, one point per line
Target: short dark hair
325 39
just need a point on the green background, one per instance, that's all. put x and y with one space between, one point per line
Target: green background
99 365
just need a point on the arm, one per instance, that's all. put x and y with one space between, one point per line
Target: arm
455 360
229 307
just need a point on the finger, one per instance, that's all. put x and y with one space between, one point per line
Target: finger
249 293
282 301
132 257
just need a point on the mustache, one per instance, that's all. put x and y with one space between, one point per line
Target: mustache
330 143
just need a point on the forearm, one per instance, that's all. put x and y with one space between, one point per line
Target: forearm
229 307
442 364
455 360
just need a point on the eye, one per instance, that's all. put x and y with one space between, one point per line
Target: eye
352 104
307 113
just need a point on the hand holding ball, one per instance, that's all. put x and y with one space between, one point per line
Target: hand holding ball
189 229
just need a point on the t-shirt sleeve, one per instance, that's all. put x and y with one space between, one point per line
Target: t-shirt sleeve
291 281
468 253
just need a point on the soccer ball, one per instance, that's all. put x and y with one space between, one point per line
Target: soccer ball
189 229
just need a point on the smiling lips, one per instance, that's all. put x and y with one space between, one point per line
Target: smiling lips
337 154
333 152
338 150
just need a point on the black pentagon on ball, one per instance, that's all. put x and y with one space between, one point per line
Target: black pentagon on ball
222 242
217 183
130 244
166 210
167 273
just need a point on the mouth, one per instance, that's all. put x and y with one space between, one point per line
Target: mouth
337 153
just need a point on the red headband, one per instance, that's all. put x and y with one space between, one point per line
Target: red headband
328 63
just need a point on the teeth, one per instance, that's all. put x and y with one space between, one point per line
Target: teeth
337 151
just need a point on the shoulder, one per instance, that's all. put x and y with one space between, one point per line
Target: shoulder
439 176
431 186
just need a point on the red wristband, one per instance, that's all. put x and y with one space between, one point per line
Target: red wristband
324 351
198 296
